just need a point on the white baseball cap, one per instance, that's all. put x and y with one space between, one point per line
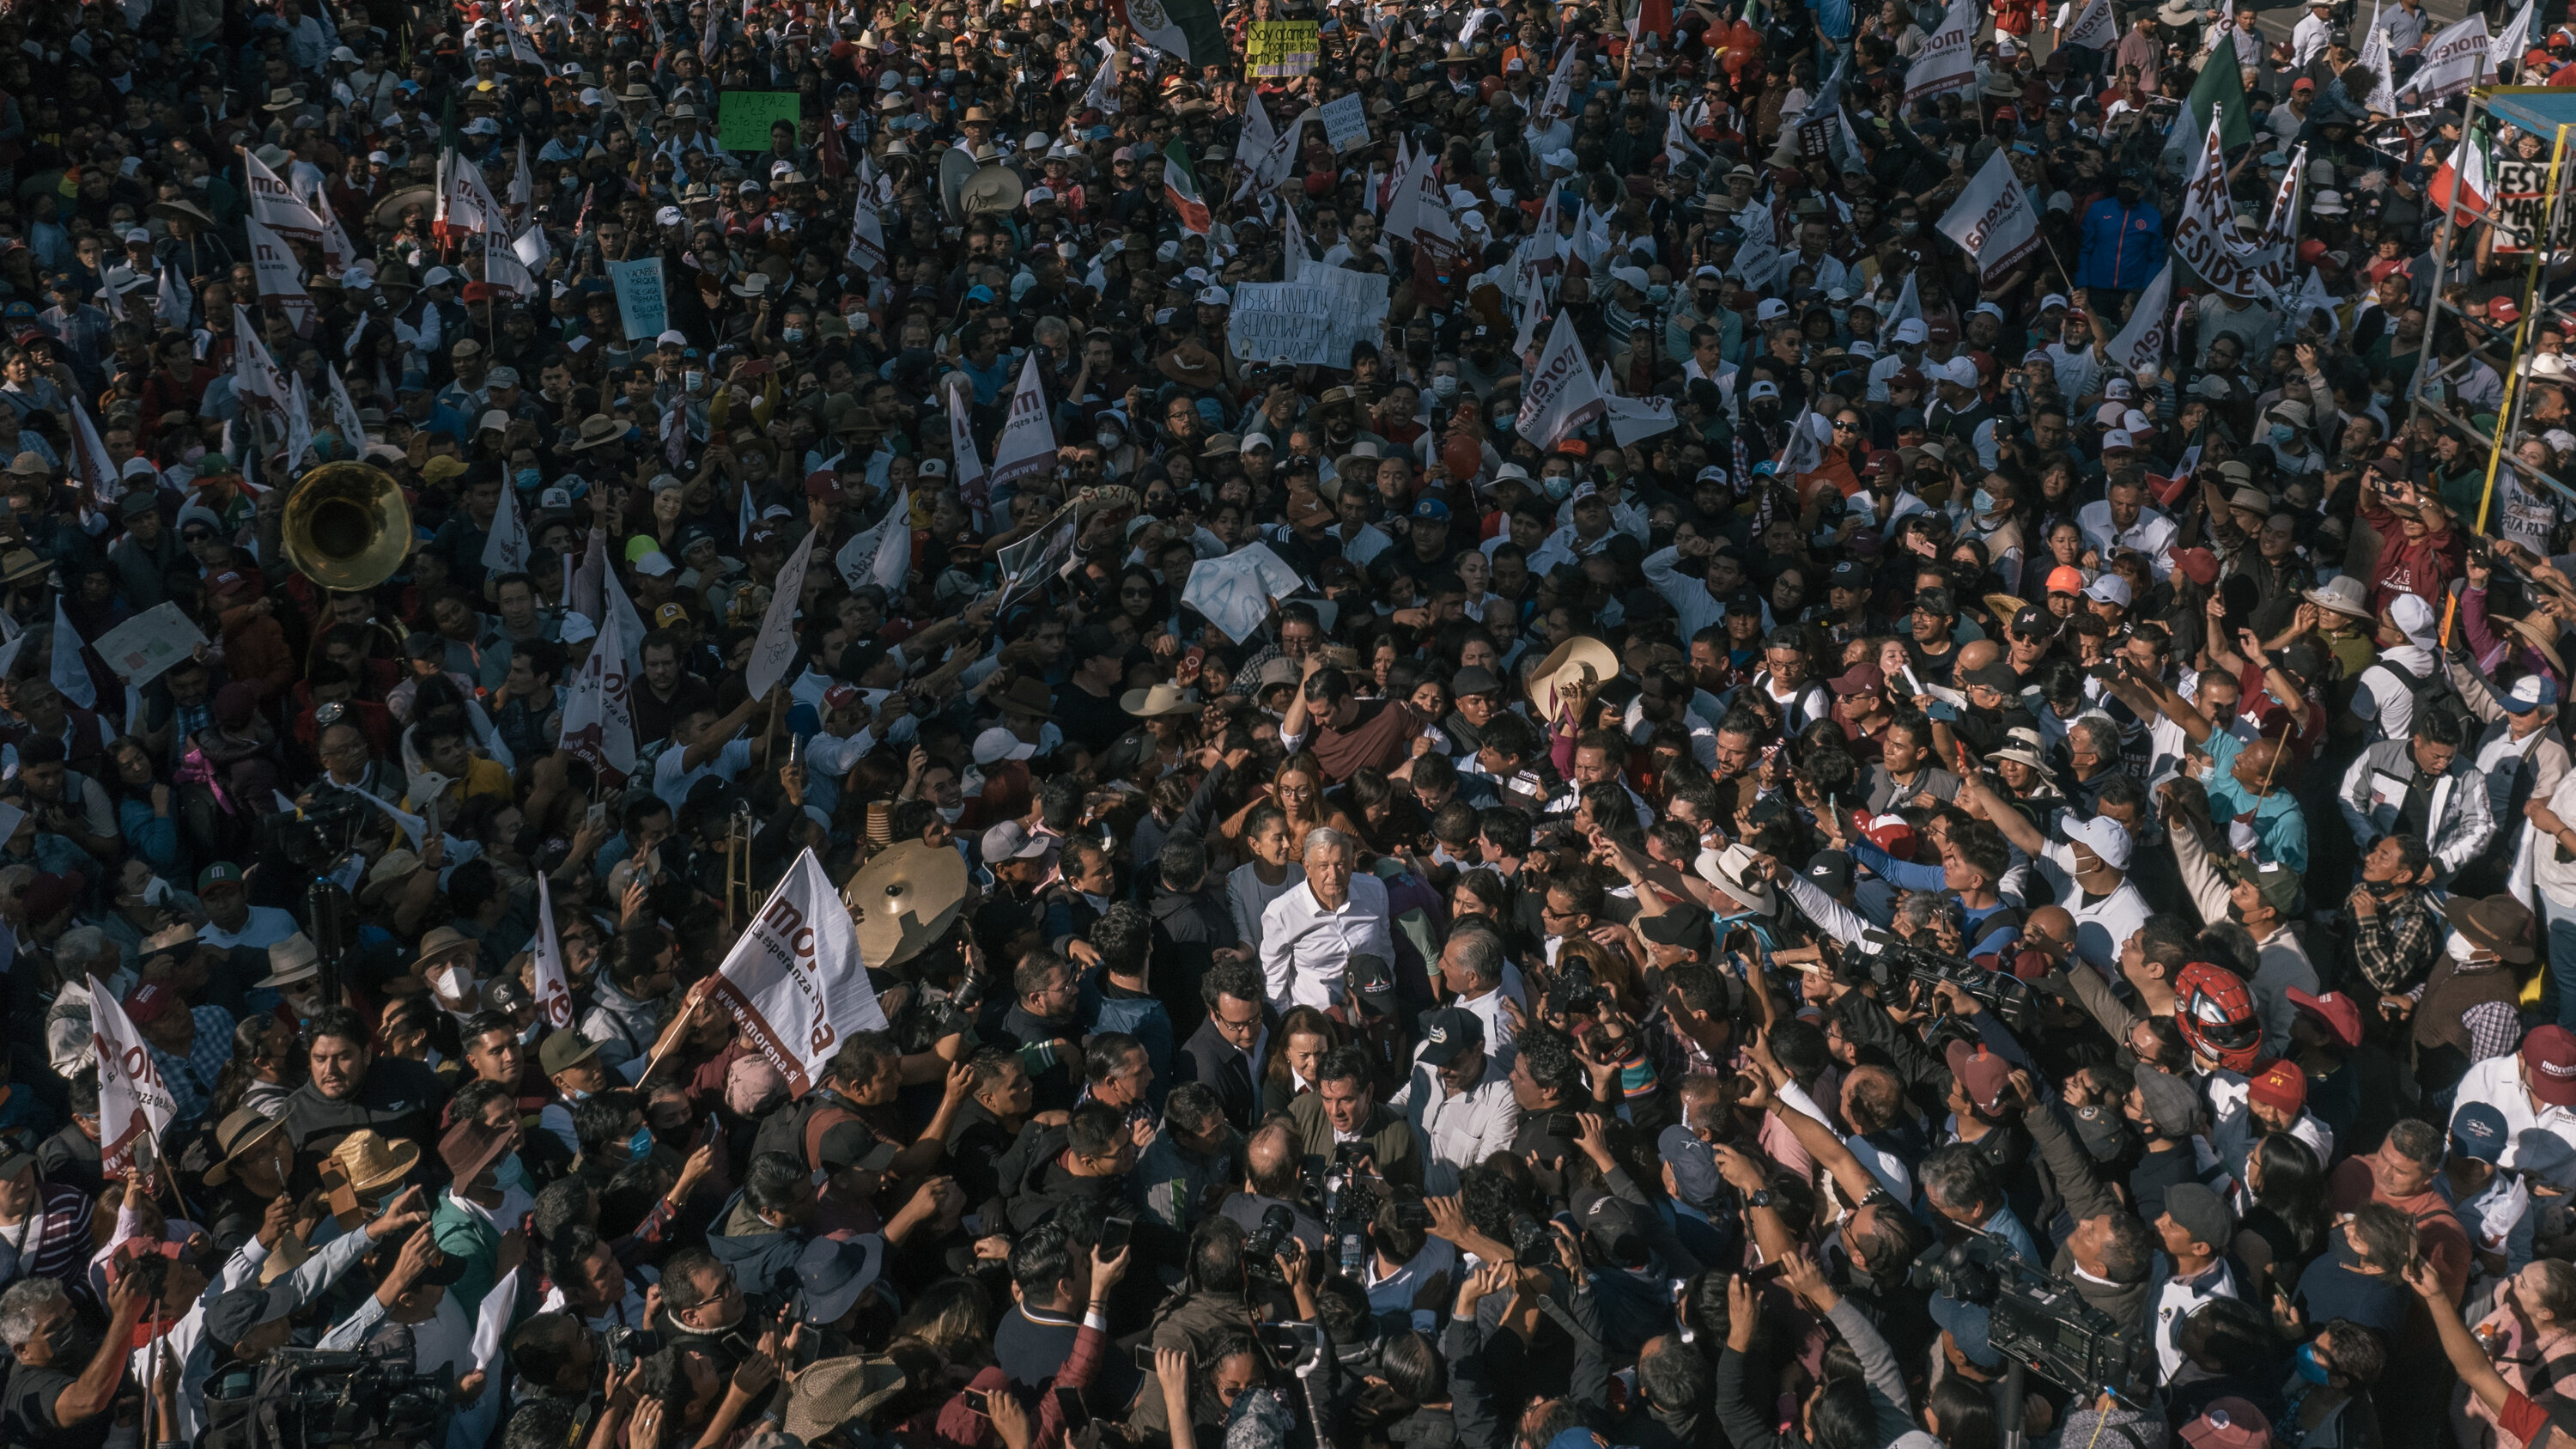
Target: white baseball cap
2105 837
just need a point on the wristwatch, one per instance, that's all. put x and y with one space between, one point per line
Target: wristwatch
1759 1198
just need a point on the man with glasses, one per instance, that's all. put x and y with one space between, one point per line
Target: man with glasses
1230 1048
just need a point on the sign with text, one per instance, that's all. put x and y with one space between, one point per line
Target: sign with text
640 308
1275 48
1288 322
794 982
1235 592
744 122
1358 307
2520 210
140 649
1345 122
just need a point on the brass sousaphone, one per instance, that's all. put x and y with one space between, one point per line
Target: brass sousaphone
347 526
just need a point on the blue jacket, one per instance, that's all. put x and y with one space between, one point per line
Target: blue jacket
2123 245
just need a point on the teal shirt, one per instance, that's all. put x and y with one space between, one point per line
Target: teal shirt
2280 831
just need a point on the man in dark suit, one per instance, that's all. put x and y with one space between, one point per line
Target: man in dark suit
1229 1048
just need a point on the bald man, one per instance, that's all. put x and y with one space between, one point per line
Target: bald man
1270 1180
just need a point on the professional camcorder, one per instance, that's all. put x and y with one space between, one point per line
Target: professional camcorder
2037 1319
1899 962
327 1398
316 838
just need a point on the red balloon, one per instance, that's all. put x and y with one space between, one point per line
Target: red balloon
1463 455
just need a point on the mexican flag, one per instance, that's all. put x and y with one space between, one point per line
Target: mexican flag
2218 85
1181 187
1185 28
2465 184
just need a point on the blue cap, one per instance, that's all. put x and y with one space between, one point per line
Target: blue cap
1968 1326
979 293
1431 508
1694 1165
2478 1133
2532 691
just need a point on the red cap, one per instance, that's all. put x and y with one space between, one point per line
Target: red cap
1860 679
2282 1087
2198 565
2549 1065
1891 833
2311 252
2303 84
1940 332
2334 1011
227 582
2229 1423
2503 309
822 483
1983 1076
2066 579
147 1003
1908 378
840 696
479 292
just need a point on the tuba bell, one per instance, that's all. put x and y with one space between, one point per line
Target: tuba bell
347 526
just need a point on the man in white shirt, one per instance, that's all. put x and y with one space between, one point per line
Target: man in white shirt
1309 935
2387 693
1459 1101
1473 968
703 745
2308 37
2122 520
2088 872
2533 1089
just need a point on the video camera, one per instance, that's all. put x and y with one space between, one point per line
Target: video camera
331 1398
315 839
1262 1248
2036 1319
1900 962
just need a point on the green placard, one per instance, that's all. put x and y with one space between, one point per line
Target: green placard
745 117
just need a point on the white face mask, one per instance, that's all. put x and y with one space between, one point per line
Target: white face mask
2459 948
452 982
693 380
952 813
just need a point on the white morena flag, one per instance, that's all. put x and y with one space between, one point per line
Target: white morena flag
2142 342
2454 60
1631 418
1560 395
170 304
70 673
2093 27
505 547
775 649
969 463
554 984
2275 249
1948 60
133 1102
280 275
598 716
2312 297
1256 139
1678 145
1992 221
1804 453
255 373
1270 165
344 415
272 202
2383 70
1560 85
1027 444
2205 238
794 982
337 250
1103 94
503 269
891 566
523 187
299 428
1293 241
1908 306
532 249
90 462
867 250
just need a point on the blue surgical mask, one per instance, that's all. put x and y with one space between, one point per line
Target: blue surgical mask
2310 1367
1503 425
2283 432
792 335
1984 502
529 478
1558 489
640 1146
947 74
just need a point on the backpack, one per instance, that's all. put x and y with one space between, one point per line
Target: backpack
2431 693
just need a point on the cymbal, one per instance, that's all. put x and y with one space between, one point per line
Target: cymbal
905 898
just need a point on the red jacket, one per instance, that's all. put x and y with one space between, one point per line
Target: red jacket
2423 567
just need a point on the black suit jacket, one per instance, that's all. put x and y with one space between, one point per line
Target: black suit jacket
1210 1058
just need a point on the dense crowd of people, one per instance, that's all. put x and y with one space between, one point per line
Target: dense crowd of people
1617 784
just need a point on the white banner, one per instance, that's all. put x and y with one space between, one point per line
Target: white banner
2454 60
775 649
70 671
873 553
273 204
1948 60
2276 250
598 716
2093 29
1992 221
1345 121
794 982
866 250
2142 342
1634 419
1561 395
969 464
279 274
133 1101
1560 85
1027 444
554 984
2205 238
1358 310
1235 592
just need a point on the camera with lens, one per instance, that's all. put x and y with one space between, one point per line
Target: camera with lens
312 839
329 1398
1533 1246
1900 963
622 1346
1262 1248
2036 1319
1574 992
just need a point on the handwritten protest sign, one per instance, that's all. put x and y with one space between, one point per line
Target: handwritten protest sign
1273 48
640 309
1345 122
1357 307
1234 592
747 116
138 650
1281 322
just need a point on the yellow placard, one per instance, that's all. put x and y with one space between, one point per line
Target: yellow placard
1273 48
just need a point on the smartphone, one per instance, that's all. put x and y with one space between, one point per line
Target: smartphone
1767 1271
977 1400
596 816
1068 1402
1564 1124
1114 1235
1145 1357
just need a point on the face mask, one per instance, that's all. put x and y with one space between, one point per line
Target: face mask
947 74
1909 228
529 477
640 1146
952 813
2282 433
2310 1367
1558 489
1659 294
2459 948
1108 440
1444 387
1984 502
792 335
1503 424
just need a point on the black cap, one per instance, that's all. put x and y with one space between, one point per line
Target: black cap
2035 623
1830 870
1449 1033
1744 601
1619 1227
1851 573
1936 602
851 1144
1688 930
231 1317
1997 675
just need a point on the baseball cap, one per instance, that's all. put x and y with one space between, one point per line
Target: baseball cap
2104 836
563 1049
2281 1086
2110 588
2228 1423
2066 579
997 744
1860 679
851 1145
2334 1011
2199 1211
219 873
1011 840
1693 1164
1449 1033
2549 1065
1982 1075
149 1002
2478 1133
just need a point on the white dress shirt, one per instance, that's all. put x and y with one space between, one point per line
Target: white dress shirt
2497 1081
1306 949
2152 534
1457 1130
